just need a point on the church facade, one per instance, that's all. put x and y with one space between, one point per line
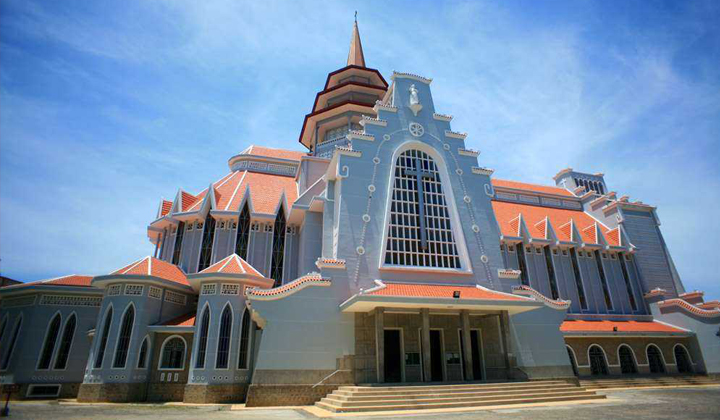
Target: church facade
385 253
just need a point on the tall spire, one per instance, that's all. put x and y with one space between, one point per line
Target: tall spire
356 57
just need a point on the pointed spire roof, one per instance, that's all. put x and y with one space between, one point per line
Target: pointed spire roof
356 56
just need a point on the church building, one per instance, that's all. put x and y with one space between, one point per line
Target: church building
384 252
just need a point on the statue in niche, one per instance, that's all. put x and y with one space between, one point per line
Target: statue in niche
415 105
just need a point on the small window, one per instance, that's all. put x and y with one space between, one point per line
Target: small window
511 248
134 289
173 354
200 225
43 391
114 290
177 298
538 251
528 249
627 257
155 292
189 227
268 228
613 256
209 289
604 256
230 289
564 252
255 227
554 251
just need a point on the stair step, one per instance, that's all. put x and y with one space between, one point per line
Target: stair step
498 401
436 390
451 399
345 396
454 386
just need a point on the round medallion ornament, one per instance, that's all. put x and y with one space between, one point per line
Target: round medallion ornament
467 199
366 218
484 259
476 228
446 146
360 250
416 129
371 188
376 160
386 137
459 171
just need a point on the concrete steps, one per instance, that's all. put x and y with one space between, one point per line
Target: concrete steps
647 381
381 398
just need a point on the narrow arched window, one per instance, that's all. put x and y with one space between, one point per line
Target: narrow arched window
243 233
627 361
142 357
682 359
66 343
278 248
207 243
2 329
104 339
655 360
202 344
598 364
177 251
173 354
123 343
11 345
50 340
419 232
244 340
223 347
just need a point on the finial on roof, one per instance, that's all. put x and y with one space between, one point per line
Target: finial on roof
356 57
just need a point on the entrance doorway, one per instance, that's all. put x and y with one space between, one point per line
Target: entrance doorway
475 353
393 356
682 359
436 356
598 366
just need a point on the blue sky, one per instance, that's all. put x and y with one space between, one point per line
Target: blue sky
105 107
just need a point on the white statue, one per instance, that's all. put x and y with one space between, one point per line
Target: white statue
415 105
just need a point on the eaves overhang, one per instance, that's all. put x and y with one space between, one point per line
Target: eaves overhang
366 303
104 281
580 334
196 280
37 288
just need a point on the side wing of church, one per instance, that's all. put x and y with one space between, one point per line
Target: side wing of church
386 253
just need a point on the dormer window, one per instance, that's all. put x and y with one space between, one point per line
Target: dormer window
419 231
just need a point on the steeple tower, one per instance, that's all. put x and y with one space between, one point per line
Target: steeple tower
349 93
356 56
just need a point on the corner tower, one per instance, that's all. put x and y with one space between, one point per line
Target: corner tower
349 93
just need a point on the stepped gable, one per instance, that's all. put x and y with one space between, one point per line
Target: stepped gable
605 326
150 266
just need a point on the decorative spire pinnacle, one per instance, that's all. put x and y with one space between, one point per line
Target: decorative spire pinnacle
356 57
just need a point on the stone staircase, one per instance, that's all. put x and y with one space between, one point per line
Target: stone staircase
417 397
647 381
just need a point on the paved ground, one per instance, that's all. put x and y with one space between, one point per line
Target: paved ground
676 403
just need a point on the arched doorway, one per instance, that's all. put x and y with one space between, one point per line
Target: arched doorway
627 361
598 365
682 359
573 362
655 360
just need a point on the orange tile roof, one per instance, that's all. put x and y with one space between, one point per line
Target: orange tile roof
440 291
265 192
622 326
613 236
232 264
187 320
69 280
531 187
274 153
165 208
506 214
150 266
187 200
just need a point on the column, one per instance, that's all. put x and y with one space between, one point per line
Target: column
505 336
426 364
380 343
467 345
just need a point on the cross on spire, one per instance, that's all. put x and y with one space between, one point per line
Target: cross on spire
356 56
420 176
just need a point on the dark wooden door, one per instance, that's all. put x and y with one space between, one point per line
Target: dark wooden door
436 356
393 356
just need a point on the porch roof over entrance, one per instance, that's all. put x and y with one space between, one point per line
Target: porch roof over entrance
437 296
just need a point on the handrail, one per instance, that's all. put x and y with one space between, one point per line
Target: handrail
330 376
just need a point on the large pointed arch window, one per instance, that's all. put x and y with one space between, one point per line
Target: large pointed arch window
207 243
278 248
223 346
11 345
243 233
244 341
104 339
66 342
123 343
202 344
50 341
419 232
